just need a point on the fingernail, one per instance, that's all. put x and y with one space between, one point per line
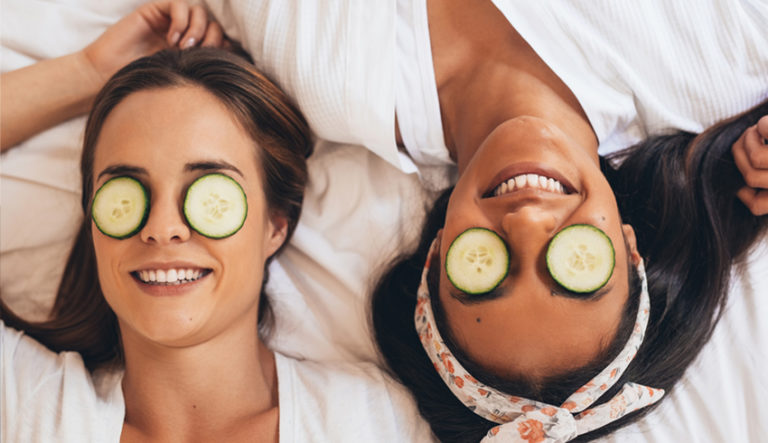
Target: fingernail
189 43
175 37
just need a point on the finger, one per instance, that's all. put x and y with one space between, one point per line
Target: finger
756 147
754 199
214 36
198 21
740 156
762 126
753 177
179 14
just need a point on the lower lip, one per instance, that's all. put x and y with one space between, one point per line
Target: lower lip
163 290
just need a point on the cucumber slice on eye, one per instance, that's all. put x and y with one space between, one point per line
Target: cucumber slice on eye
120 207
477 261
581 258
215 206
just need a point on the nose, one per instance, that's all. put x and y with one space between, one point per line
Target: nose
165 224
527 232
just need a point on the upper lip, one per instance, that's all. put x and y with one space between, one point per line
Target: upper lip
528 168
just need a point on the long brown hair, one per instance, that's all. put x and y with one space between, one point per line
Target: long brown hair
81 320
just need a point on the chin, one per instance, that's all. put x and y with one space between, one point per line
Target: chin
176 329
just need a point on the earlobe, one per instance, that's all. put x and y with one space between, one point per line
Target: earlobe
631 242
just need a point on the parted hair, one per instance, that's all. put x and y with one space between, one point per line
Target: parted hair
678 191
81 320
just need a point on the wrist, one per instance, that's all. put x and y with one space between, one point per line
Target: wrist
88 69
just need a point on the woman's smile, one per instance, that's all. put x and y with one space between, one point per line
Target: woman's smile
530 175
179 278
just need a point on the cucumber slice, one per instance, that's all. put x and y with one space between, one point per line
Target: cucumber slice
215 206
477 261
120 207
581 258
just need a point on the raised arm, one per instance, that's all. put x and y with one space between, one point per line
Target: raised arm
49 92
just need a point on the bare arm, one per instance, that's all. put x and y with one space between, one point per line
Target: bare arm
44 94
52 91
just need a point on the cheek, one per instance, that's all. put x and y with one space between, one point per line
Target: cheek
242 255
108 252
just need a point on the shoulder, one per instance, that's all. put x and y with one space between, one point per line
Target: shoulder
45 395
359 402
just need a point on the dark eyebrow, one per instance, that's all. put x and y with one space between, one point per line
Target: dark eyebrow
213 165
122 170
472 299
587 296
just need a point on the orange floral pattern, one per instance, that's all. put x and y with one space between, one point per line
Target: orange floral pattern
524 420
531 430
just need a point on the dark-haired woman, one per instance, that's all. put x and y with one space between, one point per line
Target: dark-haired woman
156 330
532 339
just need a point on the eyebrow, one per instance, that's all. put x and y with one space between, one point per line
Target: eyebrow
211 165
122 170
473 299
590 297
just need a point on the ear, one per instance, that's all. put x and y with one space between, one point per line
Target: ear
631 241
278 230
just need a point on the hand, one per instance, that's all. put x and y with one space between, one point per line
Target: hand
750 152
148 29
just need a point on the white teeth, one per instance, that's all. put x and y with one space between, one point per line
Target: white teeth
169 276
535 181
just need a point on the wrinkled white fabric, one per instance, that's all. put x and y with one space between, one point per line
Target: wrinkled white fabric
48 397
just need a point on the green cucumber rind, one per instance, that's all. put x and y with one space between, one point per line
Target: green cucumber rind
461 287
187 207
566 285
144 218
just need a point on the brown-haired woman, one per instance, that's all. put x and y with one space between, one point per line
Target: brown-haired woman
155 333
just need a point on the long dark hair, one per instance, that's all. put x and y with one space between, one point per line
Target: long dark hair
81 320
678 192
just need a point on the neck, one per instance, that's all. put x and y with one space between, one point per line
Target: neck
220 387
487 74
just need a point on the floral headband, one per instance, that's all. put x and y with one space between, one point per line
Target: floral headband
523 420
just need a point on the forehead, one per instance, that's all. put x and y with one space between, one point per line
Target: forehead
165 127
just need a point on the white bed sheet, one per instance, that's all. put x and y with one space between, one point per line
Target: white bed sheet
359 212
